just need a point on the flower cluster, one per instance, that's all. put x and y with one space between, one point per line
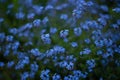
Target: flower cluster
59 39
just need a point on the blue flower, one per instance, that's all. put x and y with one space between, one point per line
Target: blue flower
31 15
64 33
2 37
53 30
36 22
48 7
91 64
7 52
99 52
35 52
10 64
79 74
118 21
9 38
56 77
117 10
45 74
38 9
104 8
87 41
32 74
102 21
2 64
70 66
63 64
34 67
1 20
86 51
13 31
64 16
45 20
15 45
24 75
115 25
21 63
20 15
77 31
46 38
74 44
59 49
117 49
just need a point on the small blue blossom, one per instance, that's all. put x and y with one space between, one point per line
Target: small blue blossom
56 77
13 31
71 77
74 44
84 26
59 49
99 43
77 31
45 74
42 31
70 66
1 20
91 64
15 45
34 67
99 52
24 75
79 74
104 8
10 64
117 49
65 40
46 38
9 38
64 16
87 41
50 52
38 9
2 37
28 25
45 20
31 15
117 10
21 63
115 26
32 75
86 51
64 33
2 64
102 21
7 52
118 21
63 64
36 22
10 6
53 30
35 52
20 15
48 7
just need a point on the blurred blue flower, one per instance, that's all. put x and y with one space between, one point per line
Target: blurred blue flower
36 22
77 31
74 44
45 74
10 64
24 75
46 38
56 77
2 64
